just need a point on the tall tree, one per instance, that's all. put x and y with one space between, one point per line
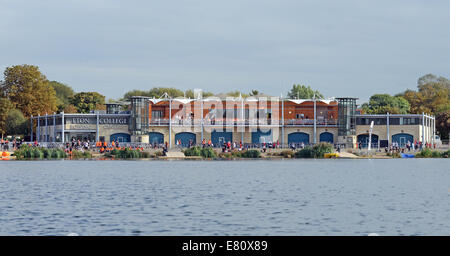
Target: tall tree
443 124
433 97
384 103
28 90
299 91
85 102
5 107
63 93
16 123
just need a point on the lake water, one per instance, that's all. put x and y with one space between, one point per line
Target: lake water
259 197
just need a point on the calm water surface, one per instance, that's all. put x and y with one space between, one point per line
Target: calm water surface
283 197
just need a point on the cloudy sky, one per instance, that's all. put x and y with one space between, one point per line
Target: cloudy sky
342 48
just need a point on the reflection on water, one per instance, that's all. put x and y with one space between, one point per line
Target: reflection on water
284 197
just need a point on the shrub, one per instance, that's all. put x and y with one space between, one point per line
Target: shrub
145 154
446 154
394 155
46 153
436 154
225 155
36 153
77 154
287 153
428 153
208 153
87 154
199 151
193 151
306 152
251 153
236 154
321 148
317 151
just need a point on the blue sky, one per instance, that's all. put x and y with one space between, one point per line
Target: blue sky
341 48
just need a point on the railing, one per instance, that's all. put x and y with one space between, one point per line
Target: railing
310 122
287 122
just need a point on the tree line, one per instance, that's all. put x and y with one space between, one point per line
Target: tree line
25 91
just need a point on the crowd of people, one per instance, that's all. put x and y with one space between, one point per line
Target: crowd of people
416 146
14 144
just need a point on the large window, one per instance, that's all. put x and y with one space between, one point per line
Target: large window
157 114
410 121
367 121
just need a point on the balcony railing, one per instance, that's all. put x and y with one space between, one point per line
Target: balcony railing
307 122
287 122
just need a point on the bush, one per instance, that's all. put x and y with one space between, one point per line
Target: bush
127 153
236 154
193 151
87 154
446 154
145 154
287 153
306 152
317 151
198 151
321 148
37 153
428 153
251 153
436 154
208 153
58 153
394 155
226 155
76 154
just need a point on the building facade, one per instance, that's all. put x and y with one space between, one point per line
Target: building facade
250 121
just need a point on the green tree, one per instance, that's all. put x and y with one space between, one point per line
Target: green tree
85 102
299 91
433 97
236 94
5 107
70 109
127 96
190 94
384 103
254 93
156 92
16 123
63 93
443 124
28 90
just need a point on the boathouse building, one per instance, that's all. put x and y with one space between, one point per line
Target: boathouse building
252 120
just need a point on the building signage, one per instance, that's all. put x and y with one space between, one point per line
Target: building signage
113 120
102 120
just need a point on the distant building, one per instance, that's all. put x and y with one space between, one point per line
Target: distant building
250 121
